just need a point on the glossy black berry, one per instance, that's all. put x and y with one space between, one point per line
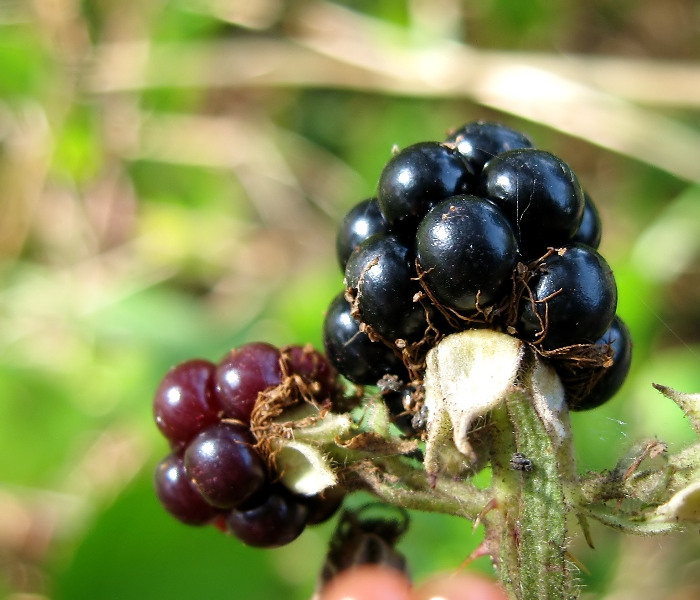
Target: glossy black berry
467 250
324 505
540 195
574 297
480 141
618 339
351 351
277 521
380 274
184 403
178 495
224 466
361 222
415 179
242 374
395 401
590 230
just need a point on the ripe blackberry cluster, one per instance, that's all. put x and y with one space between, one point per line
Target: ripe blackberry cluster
480 230
216 472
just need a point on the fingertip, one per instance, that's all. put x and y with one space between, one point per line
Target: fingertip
459 586
368 582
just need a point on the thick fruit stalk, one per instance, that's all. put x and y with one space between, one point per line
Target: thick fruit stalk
492 398
533 557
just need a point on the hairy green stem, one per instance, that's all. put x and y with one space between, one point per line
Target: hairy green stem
533 467
403 482
542 537
502 522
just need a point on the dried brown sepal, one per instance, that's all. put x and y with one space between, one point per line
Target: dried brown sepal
501 316
650 486
480 317
265 421
579 367
521 291
652 449
374 443
412 354
315 364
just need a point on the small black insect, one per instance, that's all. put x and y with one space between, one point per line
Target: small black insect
520 462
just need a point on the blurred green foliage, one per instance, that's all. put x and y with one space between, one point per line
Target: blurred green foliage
153 214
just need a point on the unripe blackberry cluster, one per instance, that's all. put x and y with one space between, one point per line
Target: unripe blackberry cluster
215 472
480 230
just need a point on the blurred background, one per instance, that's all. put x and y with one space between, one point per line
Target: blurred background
171 176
